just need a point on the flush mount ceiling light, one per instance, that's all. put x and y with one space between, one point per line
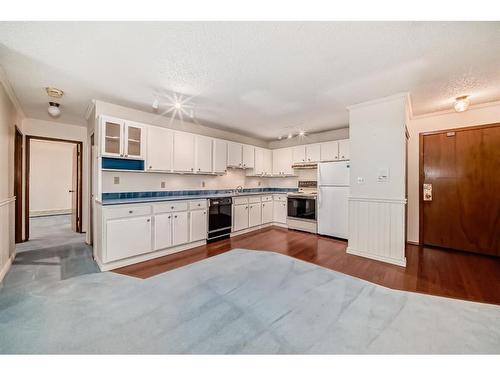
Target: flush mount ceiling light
54 109
461 103
302 133
156 104
54 93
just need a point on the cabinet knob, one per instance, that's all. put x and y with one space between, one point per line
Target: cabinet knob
336 157
191 168
148 220
204 212
175 217
121 155
171 207
130 212
126 155
150 167
168 217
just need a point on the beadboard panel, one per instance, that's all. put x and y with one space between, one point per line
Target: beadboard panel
377 229
6 235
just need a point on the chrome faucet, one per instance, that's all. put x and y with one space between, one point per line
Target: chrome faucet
238 189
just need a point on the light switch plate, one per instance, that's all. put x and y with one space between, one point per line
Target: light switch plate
383 175
361 180
163 184
116 180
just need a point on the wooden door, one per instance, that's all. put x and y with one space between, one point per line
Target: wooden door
461 205
18 185
75 211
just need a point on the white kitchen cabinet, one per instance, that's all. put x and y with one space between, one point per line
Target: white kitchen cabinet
329 151
234 154
280 211
219 156
122 138
268 162
344 149
267 212
184 152
240 217
180 228
127 237
254 214
313 152
159 149
248 158
198 225
282 162
203 154
299 154
112 133
134 140
163 231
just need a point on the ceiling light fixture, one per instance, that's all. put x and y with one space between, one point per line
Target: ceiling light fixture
279 138
156 104
461 103
178 105
54 109
54 92
302 133
290 136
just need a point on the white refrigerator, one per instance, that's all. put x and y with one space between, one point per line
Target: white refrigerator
333 194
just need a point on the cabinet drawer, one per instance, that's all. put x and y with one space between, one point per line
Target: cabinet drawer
198 205
267 198
170 207
126 211
280 197
254 199
240 200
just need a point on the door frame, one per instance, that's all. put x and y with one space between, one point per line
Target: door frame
421 169
18 185
27 185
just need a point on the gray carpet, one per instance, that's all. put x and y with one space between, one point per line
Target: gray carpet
54 300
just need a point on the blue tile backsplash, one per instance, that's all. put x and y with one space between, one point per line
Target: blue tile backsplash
187 193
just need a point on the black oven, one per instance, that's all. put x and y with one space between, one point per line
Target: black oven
301 207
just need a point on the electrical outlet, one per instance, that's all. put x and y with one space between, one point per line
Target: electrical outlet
163 184
116 180
202 183
361 180
259 183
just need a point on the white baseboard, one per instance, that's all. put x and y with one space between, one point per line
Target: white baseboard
148 256
397 262
50 212
6 267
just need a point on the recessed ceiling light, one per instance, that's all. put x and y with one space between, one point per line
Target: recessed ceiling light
54 93
54 109
290 136
302 133
461 103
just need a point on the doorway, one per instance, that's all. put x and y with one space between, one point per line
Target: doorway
53 181
459 189
18 186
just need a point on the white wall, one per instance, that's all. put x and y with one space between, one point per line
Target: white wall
51 176
377 209
479 115
71 132
9 118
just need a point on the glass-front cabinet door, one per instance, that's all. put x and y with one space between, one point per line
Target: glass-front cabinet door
134 136
112 143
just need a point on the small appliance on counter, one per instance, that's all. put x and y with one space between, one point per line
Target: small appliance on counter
333 195
219 218
302 207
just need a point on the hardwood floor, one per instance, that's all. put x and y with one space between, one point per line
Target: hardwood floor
433 271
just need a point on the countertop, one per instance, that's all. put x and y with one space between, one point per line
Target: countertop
110 202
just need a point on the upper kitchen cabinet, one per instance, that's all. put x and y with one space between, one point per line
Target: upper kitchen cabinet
112 136
313 152
248 156
299 154
282 162
203 152
219 156
329 151
234 155
344 149
263 163
160 149
184 146
134 140
122 138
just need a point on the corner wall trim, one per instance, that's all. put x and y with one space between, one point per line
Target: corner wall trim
6 267
397 262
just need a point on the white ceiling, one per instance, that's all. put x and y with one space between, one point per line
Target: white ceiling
257 78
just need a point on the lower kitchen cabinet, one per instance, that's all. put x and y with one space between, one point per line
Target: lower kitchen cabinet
163 231
198 225
279 211
254 214
180 228
267 212
127 237
240 220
